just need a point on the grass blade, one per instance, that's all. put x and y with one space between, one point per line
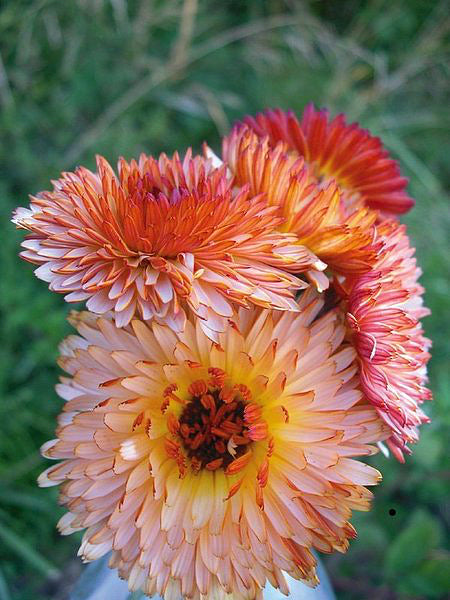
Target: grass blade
4 590
17 544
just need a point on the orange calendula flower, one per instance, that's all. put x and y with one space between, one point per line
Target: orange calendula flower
349 154
210 468
340 234
384 311
162 236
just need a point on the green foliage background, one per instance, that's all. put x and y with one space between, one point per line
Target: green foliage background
116 77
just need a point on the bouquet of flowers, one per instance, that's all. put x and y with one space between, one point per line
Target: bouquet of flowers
252 330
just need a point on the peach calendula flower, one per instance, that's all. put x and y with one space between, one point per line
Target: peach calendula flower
160 236
340 234
210 468
384 311
349 154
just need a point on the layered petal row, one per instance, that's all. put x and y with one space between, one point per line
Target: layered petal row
385 307
161 237
340 234
351 155
209 468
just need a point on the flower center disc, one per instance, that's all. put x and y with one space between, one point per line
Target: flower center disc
213 430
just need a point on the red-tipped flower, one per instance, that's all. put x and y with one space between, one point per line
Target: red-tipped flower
385 308
349 154
336 187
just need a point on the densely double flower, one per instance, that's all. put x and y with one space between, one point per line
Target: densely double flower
208 468
338 191
161 237
384 311
340 233
347 153
261 330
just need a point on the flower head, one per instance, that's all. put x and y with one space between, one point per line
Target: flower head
340 233
335 150
385 307
209 468
337 187
161 236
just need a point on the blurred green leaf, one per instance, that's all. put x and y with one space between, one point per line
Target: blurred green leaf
430 580
431 446
413 544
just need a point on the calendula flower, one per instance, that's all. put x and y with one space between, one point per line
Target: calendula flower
349 154
210 468
385 307
339 233
336 187
162 236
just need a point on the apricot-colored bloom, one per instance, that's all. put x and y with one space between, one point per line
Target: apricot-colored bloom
385 307
210 468
340 234
161 236
349 154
